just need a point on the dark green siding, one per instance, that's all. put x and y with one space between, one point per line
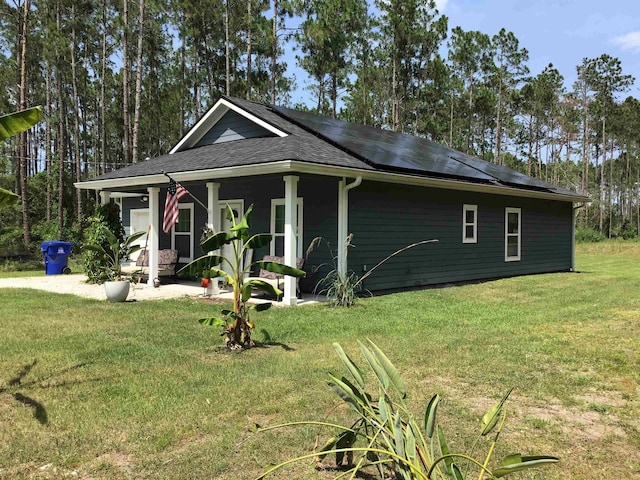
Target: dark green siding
385 217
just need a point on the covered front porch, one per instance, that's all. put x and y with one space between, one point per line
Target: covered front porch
294 209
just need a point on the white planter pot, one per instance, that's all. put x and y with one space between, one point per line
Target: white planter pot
117 291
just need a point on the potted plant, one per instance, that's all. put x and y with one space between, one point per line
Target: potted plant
111 257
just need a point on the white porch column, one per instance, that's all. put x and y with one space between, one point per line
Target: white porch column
213 204
213 222
290 244
154 215
105 197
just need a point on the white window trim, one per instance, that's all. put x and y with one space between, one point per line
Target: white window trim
469 208
507 211
300 207
184 206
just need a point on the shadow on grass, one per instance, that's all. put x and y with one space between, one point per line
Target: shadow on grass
39 411
269 342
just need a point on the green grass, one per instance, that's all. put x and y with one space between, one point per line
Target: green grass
141 390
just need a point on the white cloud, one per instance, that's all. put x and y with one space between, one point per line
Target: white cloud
628 41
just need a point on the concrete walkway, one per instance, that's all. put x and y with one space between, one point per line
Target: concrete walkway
76 285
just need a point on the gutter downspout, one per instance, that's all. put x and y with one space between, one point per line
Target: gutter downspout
343 221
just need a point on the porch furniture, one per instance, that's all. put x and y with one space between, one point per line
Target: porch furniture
276 279
167 261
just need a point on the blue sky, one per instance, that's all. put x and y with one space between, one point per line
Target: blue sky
561 32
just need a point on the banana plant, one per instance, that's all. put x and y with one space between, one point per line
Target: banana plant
386 437
236 323
11 125
114 253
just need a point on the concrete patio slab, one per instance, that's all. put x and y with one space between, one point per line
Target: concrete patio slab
76 285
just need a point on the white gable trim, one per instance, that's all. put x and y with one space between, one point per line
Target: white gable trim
212 117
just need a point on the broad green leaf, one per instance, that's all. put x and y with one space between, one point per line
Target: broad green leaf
15 123
456 473
258 241
212 322
410 443
491 417
261 307
266 287
444 448
346 393
399 435
7 197
393 374
280 268
345 440
350 364
242 227
133 237
215 241
380 372
430 415
329 445
383 410
200 265
246 292
516 463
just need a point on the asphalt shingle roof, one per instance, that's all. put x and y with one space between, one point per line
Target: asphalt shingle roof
317 140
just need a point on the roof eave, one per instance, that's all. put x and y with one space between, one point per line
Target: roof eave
294 166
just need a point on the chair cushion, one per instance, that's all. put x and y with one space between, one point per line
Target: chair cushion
267 274
167 257
143 259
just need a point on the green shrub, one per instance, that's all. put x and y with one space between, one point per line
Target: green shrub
11 243
105 219
589 235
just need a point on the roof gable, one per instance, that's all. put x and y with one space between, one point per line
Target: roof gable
204 132
231 127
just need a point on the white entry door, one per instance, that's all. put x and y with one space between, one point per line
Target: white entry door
139 223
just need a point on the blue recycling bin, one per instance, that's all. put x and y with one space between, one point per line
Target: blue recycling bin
56 255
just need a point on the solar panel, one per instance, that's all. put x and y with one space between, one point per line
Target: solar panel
396 151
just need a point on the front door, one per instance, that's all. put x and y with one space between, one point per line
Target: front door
139 223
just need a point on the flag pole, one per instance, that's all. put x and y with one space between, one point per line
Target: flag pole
198 201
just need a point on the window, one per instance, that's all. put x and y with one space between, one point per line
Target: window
182 233
469 224
512 241
277 227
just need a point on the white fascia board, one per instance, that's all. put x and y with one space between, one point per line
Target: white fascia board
292 166
212 117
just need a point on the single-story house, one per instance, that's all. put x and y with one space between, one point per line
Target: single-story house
309 176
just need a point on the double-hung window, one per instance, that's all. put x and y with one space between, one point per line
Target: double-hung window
182 233
469 224
277 227
512 237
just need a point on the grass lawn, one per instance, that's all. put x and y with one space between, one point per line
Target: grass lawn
95 390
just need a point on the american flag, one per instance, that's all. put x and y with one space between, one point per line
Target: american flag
174 193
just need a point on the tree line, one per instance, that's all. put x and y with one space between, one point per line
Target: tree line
122 80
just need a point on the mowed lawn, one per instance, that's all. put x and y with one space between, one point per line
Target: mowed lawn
95 390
